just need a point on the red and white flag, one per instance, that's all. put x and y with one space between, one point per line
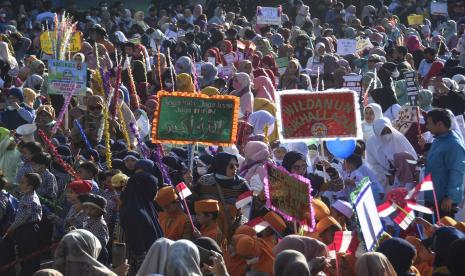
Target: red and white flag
344 242
258 224
419 208
244 199
425 185
387 208
183 191
405 217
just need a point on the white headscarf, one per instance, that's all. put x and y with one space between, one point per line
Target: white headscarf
183 259
260 119
156 260
454 125
381 148
367 128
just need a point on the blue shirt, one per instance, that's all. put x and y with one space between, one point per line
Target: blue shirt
446 163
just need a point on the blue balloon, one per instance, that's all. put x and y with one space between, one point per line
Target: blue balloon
341 148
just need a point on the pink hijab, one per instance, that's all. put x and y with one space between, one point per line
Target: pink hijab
413 44
256 154
264 88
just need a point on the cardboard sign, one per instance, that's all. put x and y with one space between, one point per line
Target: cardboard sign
268 16
346 47
329 114
406 118
364 204
65 76
353 82
412 87
439 8
186 118
415 19
289 195
47 38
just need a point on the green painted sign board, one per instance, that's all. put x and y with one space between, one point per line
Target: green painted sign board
186 118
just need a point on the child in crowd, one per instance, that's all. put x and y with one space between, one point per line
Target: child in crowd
27 151
342 211
174 222
76 216
40 163
8 209
356 170
207 214
88 171
25 228
94 208
275 229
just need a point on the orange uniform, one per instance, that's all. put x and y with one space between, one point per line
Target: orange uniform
175 226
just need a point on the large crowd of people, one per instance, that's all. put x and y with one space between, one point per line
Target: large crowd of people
85 191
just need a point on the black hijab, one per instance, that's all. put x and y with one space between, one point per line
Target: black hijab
221 162
384 96
400 254
138 216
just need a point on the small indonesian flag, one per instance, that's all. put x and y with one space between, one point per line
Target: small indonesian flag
183 191
426 185
387 208
258 224
244 199
419 208
404 219
344 242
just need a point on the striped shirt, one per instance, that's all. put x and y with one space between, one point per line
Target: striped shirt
48 188
206 189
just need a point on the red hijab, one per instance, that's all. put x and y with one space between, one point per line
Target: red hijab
270 62
436 68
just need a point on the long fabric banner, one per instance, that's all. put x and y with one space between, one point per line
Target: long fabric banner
304 115
186 118
289 195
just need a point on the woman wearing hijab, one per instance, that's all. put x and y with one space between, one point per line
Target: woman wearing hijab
219 17
138 217
181 49
269 62
296 163
184 83
371 113
292 78
382 147
156 260
253 170
425 100
77 254
400 254
415 48
291 262
265 48
374 264
214 53
264 88
241 84
139 74
225 168
183 259
309 247
209 74
184 65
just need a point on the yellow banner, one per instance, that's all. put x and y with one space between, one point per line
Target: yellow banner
47 37
415 19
